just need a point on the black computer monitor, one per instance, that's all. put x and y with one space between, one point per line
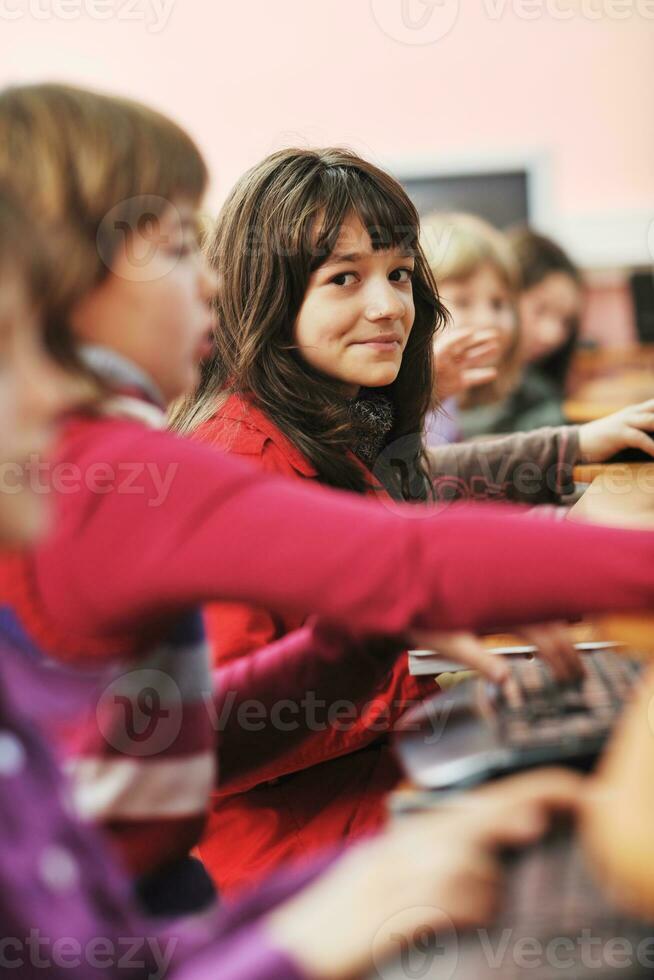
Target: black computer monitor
642 292
500 197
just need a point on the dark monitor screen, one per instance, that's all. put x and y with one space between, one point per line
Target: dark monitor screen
501 198
642 291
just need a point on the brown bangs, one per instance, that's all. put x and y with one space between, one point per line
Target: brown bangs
385 212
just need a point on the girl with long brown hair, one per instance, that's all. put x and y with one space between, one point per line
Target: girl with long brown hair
276 237
322 370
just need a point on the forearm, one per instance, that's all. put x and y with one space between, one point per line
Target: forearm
226 530
533 468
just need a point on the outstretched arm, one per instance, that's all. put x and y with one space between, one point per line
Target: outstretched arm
120 562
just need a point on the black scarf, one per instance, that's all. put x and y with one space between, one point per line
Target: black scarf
373 416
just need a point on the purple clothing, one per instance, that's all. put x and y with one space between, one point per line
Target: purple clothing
64 907
442 426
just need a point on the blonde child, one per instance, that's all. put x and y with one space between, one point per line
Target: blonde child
476 358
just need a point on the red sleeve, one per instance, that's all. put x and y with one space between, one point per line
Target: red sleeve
235 629
195 525
293 704
369 679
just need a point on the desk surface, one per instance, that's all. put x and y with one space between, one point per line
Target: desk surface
622 496
604 381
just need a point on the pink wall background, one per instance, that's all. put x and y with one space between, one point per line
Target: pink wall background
250 76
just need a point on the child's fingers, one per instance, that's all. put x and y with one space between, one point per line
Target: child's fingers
480 348
459 341
489 334
637 439
473 377
486 356
550 786
557 649
466 649
454 343
642 419
646 406
517 809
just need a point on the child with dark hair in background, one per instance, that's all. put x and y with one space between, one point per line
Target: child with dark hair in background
550 305
523 293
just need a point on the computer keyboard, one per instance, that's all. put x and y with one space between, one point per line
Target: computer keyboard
476 730
554 923
533 709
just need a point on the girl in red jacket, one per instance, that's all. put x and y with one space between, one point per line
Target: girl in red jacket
59 882
322 372
148 527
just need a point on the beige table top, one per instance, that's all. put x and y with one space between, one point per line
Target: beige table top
622 496
605 380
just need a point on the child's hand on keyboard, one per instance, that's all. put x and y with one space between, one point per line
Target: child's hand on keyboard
551 639
550 789
427 874
556 649
464 648
629 428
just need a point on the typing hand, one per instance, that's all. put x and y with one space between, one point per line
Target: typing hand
465 359
626 429
552 641
464 648
428 873
555 647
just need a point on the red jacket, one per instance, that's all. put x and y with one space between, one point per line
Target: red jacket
333 785
154 526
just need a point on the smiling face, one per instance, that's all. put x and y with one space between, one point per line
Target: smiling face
482 302
549 312
154 305
357 312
